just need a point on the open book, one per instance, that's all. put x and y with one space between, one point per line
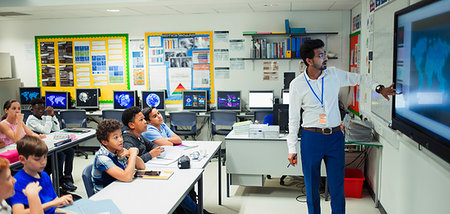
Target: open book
152 174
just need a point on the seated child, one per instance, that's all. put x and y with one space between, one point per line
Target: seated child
33 155
112 161
12 127
134 119
7 183
157 131
44 124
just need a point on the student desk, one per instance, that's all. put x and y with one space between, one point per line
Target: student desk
52 150
152 195
211 148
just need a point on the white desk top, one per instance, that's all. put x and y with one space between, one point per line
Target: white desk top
232 136
210 147
151 195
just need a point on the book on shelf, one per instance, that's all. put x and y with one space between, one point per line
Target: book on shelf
153 174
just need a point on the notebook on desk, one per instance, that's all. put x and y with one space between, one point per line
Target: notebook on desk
86 206
76 130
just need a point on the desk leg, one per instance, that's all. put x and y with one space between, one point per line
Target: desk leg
200 194
228 185
219 166
378 179
55 176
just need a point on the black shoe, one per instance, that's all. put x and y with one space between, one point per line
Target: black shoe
68 186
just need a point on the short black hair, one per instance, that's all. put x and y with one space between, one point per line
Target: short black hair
31 145
146 111
307 49
129 114
37 100
105 128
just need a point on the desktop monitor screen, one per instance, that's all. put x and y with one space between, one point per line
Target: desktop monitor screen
57 99
87 98
260 99
29 93
195 100
229 100
285 96
153 99
124 99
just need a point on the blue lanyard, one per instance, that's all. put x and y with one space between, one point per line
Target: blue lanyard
320 100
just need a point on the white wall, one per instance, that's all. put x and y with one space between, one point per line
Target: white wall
412 180
17 38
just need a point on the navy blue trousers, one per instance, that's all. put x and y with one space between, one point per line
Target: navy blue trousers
316 146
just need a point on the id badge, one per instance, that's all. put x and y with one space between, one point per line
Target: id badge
322 119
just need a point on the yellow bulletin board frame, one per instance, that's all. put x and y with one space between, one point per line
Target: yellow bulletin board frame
177 99
106 90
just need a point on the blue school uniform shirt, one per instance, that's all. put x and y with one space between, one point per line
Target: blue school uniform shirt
153 133
47 193
104 159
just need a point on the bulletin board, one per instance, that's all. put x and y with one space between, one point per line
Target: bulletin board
355 57
178 61
83 61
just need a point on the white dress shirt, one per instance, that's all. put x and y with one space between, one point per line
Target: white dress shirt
44 126
301 96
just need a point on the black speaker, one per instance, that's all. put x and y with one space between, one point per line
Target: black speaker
288 77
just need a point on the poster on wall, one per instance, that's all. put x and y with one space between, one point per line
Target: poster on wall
83 61
179 61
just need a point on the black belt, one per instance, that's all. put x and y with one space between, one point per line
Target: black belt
325 131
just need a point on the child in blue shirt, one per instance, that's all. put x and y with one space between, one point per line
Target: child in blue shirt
112 161
33 155
157 131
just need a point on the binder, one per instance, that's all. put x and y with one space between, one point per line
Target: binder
288 48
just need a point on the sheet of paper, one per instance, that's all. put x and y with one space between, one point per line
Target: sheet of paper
98 62
154 41
221 55
84 84
236 45
179 80
115 41
116 72
221 36
200 56
201 77
222 73
157 75
237 64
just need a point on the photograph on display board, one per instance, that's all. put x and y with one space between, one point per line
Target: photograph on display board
65 52
47 53
187 43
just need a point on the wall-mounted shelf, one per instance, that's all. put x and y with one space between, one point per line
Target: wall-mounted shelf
289 34
280 58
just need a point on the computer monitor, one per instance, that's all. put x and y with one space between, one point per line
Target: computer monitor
285 96
195 100
153 99
281 117
124 99
57 99
87 98
229 100
260 100
29 93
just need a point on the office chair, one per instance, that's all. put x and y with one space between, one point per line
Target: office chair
224 119
26 113
115 114
74 118
260 115
179 119
87 180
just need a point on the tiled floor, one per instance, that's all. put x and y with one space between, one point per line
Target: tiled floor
273 198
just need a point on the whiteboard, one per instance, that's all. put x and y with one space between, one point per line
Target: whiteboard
382 65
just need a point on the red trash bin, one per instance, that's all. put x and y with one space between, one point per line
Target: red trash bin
353 183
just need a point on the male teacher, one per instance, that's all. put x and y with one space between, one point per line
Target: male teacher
316 91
